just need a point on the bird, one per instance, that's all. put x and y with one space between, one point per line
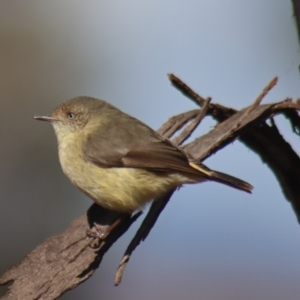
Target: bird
118 161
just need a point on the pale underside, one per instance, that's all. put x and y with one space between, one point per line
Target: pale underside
120 189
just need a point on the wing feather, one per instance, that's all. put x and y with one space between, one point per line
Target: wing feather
117 146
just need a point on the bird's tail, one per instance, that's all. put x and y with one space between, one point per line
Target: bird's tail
223 178
231 181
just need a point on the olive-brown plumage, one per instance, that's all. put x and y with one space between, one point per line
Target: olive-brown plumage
117 160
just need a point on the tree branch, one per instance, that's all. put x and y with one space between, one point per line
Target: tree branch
64 261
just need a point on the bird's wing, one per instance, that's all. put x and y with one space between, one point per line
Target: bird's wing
116 147
160 155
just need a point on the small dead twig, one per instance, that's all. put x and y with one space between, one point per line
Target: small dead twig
175 123
156 208
186 90
258 100
217 111
188 130
247 111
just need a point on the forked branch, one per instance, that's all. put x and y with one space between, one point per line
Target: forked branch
64 261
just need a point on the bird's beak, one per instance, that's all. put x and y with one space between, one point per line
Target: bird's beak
45 118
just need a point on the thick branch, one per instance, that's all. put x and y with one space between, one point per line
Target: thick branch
63 261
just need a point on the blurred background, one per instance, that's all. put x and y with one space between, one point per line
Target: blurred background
232 245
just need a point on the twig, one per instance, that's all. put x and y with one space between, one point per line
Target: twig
188 130
156 208
219 112
258 100
227 130
175 123
186 90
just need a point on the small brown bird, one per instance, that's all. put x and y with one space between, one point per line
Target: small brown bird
120 162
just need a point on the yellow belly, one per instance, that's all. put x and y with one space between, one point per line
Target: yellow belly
119 189
122 189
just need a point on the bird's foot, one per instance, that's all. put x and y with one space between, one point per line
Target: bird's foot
99 233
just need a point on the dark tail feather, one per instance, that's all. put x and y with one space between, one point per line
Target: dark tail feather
231 181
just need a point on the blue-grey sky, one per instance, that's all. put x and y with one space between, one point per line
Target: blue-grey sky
211 242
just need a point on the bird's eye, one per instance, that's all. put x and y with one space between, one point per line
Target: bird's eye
71 116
